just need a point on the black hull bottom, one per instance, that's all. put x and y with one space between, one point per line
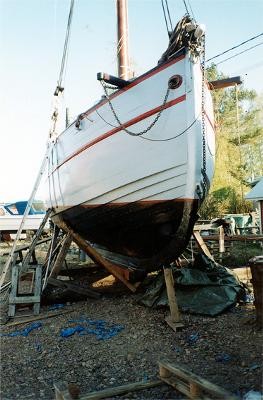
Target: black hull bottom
155 233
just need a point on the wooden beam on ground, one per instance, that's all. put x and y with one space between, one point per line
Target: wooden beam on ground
193 386
202 245
235 238
61 256
61 390
73 288
92 253
38 317
173 320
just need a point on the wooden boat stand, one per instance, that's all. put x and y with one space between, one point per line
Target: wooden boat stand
62 237
181 379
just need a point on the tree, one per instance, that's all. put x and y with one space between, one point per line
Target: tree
239 117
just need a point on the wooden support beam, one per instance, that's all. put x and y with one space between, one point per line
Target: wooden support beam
61 389
193 386
92 253
173 320
47 315
73 288
202 245
61 256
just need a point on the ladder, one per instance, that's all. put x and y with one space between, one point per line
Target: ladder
10 260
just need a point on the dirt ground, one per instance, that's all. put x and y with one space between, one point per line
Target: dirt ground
226 350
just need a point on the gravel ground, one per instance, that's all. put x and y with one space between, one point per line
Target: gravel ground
226 350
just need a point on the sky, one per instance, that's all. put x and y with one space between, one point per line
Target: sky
32 36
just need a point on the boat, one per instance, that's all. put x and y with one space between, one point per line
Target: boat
130 173
11 215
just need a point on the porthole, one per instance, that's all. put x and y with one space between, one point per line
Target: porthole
175 81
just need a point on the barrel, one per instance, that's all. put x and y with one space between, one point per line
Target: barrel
256 267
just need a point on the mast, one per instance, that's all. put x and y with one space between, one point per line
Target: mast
122 48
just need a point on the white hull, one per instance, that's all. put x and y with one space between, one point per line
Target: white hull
95 166
11 223
138 195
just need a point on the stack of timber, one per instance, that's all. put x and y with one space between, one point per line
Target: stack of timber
181 379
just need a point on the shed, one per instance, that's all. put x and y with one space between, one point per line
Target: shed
256 194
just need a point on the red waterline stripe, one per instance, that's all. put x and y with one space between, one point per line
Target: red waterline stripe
145 76
120 128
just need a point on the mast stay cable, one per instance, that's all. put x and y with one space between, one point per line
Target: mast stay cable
45 160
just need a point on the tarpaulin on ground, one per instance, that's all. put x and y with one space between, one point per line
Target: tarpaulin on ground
203 288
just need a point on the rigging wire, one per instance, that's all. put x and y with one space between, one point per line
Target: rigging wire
186 8
65 50
168 13
241 52
165 18
235 47
189 4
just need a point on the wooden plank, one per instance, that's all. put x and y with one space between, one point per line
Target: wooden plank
37 291
61 256
174 319
237 238
203 384
13 292
23 299
74 288
202 245
118 390
178 385
224 83
92 253
39 317
31 249
61 391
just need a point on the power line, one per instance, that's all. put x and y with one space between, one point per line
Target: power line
234 47
241 52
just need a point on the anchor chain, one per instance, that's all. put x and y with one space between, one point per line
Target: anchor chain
205 181
120 123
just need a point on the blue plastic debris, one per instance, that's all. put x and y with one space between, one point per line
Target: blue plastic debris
70 331
38 347
249 298
193 338
224 357
253 395
25 331
56 306
86 326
